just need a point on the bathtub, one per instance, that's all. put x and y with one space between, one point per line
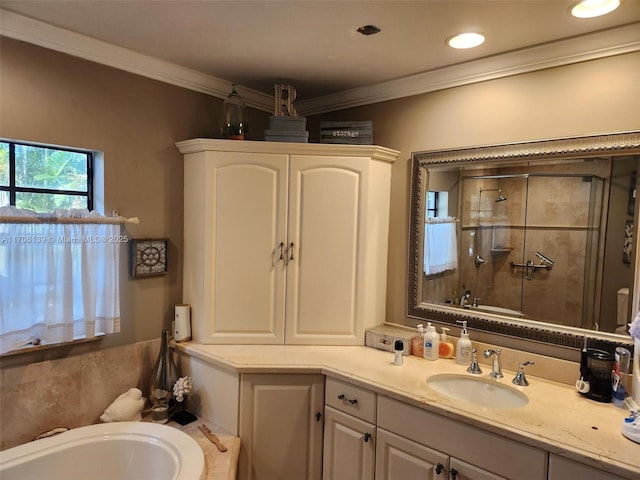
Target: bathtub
109 451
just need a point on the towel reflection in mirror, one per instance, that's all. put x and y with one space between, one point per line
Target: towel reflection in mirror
440 245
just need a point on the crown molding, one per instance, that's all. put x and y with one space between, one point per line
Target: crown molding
605 43
616 41
59 39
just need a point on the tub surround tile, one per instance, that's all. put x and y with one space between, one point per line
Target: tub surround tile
70 392
106 375
35 406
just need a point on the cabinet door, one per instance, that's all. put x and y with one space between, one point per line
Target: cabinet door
349 447
460 470
235 221
562 468
324 272
399 458
281 427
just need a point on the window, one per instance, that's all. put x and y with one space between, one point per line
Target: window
59 262
43 178
437 204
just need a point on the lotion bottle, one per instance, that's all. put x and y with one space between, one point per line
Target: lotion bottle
464 347
417 343
431 343
446 349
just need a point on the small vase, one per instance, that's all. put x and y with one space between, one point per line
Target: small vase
163 375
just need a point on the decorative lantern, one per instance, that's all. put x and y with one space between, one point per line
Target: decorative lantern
234 113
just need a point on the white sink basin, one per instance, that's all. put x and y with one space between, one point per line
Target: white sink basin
485 392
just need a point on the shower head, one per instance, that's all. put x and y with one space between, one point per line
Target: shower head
501 197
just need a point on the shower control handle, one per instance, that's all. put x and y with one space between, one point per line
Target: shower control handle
530 268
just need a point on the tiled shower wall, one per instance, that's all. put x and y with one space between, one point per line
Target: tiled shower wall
69 392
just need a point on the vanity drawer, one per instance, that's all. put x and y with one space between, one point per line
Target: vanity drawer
479 448
356 401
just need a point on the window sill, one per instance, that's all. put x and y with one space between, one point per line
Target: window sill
49 346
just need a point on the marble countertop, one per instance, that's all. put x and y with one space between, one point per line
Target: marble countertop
218 465
556 419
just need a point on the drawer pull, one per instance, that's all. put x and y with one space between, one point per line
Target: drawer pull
367 437
352 401
454 473
439 468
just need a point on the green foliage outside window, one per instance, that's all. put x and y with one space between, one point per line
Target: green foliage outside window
44 172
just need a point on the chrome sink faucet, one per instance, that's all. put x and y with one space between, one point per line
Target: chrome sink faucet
496 369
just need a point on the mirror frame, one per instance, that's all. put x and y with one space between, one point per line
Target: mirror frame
622 143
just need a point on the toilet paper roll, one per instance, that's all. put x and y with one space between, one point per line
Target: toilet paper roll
182 328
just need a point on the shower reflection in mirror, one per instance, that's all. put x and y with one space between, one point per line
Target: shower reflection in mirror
527 241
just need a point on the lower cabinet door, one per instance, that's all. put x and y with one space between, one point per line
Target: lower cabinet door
281 426
349 447
459 470
398 458
561 468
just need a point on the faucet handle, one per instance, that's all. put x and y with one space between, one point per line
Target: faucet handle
474 367
520 379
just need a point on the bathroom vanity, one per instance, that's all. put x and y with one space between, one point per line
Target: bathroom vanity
384 421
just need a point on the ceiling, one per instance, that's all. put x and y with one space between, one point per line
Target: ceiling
314 45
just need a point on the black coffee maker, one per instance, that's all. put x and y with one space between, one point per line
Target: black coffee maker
599 366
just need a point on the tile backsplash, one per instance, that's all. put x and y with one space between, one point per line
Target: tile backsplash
69 392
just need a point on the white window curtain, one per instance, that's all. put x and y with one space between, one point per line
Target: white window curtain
59 276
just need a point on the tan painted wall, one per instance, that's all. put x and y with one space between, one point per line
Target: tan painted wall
587 98
54 98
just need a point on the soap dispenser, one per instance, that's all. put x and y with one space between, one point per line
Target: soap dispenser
431 343
464 347
417 342
445 349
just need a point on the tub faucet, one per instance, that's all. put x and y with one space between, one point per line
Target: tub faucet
465 298
496 369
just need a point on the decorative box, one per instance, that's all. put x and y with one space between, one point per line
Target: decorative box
286 136
356 133
383 337
287 129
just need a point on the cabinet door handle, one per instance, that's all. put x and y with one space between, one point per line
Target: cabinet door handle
454 473
352 401
290 252
367 437
281 250
439 468
318 416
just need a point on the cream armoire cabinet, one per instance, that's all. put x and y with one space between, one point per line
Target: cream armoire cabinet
285 242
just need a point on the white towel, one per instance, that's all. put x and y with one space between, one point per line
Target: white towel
440 245
634 327
126 408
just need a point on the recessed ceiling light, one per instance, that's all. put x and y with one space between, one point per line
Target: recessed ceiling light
466 40
368 30
594 8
